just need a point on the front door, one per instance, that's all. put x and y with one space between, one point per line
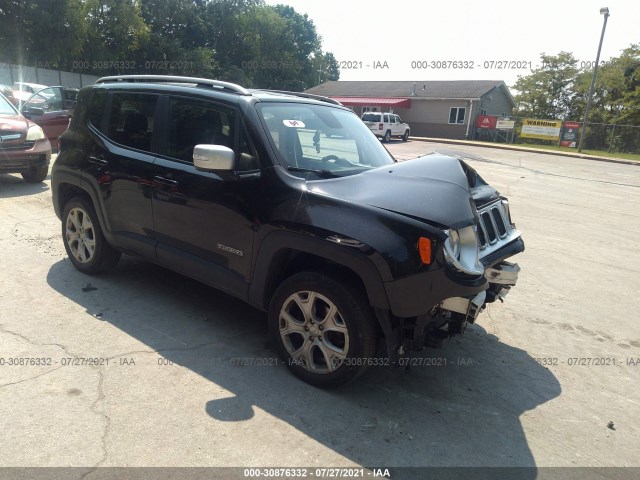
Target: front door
205 222
53 116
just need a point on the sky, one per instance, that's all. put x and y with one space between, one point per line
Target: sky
420 40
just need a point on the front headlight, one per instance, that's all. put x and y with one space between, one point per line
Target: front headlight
454 242
461 251
35 133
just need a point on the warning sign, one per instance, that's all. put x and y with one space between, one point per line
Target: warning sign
542 129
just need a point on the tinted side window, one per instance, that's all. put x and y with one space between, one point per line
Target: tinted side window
96 110
386 119
193 122
131 120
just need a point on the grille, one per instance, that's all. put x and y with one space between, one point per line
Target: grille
12 140
493 225
16 146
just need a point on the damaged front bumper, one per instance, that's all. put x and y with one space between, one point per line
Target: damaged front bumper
416 321
501 278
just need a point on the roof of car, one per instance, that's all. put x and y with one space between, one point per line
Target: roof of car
217 86
29 84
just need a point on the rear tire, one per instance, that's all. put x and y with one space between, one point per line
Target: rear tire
36 174
387 136
322 328
83 239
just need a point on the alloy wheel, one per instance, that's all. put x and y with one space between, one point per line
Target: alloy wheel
80 235
313 332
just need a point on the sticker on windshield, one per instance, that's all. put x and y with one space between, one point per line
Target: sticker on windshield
293 123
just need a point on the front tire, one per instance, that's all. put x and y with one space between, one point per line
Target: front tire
323 328
405 137
36 174
83 239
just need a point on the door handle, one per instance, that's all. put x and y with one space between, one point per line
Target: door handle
166 181
98 160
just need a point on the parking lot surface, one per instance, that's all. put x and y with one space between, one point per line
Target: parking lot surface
144 367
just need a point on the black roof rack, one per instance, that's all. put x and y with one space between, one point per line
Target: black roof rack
230 87
320 98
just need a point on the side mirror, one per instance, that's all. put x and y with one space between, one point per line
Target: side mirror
212 158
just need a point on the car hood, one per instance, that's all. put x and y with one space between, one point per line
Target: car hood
13 123
433 188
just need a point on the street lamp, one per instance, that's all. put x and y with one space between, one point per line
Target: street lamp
603 11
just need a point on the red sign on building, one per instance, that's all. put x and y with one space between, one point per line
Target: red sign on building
486 121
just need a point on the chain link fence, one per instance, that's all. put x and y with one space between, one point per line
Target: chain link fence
612 138
604 137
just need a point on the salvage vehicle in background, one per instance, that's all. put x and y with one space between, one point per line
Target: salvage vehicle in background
48 108
24 148
346 249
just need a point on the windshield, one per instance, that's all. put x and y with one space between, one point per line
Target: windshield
5 107
321 139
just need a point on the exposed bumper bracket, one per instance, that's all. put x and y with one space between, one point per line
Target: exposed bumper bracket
503 273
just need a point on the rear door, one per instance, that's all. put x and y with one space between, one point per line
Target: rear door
387 123
398 128
393 126
205 222
47 109
121 160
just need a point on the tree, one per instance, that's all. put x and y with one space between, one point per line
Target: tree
630 62
616 101
30 37
560 90
178 41
547 91
244 41
326 65
116 33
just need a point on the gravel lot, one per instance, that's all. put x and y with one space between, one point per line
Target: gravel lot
184 375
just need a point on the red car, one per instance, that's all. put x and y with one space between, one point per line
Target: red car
24 147
48 108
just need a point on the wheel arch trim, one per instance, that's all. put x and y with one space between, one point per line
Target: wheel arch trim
76 180
280 241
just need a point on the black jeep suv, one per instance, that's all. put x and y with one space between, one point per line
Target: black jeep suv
349 251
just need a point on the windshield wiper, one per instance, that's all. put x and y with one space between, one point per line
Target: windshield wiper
320 173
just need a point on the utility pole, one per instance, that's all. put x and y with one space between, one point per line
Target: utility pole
603 11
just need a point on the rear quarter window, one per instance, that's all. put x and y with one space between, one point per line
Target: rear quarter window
371 117
131 119
96 110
